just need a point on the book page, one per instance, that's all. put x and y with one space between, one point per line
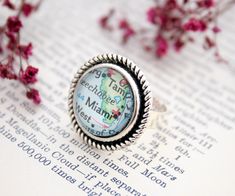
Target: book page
189 152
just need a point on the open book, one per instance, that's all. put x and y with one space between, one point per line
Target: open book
189 153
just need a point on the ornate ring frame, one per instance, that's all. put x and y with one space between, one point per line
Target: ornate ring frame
143 103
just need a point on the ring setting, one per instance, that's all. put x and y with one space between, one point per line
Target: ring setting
109 102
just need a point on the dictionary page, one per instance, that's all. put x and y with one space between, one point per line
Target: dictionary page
189 152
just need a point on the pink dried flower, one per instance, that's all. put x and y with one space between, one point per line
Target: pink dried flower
171 4
14 24
209 43
9 4
34 95
195 25
29 75
26 50
206 3
104 21
128 31
178 45
151 15
14 53
157 15
216 29
123 24
6 71
161 46
11 36
11 40
27 9
173 22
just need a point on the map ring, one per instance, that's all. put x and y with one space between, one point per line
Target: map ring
137 90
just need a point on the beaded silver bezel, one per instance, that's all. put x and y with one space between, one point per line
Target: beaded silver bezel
143 103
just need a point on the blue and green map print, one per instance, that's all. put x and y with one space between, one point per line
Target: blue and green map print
104 102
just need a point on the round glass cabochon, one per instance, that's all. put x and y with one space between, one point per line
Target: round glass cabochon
104 102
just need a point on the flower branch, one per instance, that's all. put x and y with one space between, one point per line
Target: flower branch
15 55
173 24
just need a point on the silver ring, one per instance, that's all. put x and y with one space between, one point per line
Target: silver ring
109 102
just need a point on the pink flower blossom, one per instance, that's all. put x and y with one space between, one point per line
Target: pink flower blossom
173 23
161 46
123 24
216 29
11 36
29 75
178 45
34 95
26 50
128 31
171 4
13 53
195 25
157 15
209 43
206 3
14 24
9 4
6 71
104 21
27 9
151 15
11 40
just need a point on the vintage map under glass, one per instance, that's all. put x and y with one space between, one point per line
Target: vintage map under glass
104 102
